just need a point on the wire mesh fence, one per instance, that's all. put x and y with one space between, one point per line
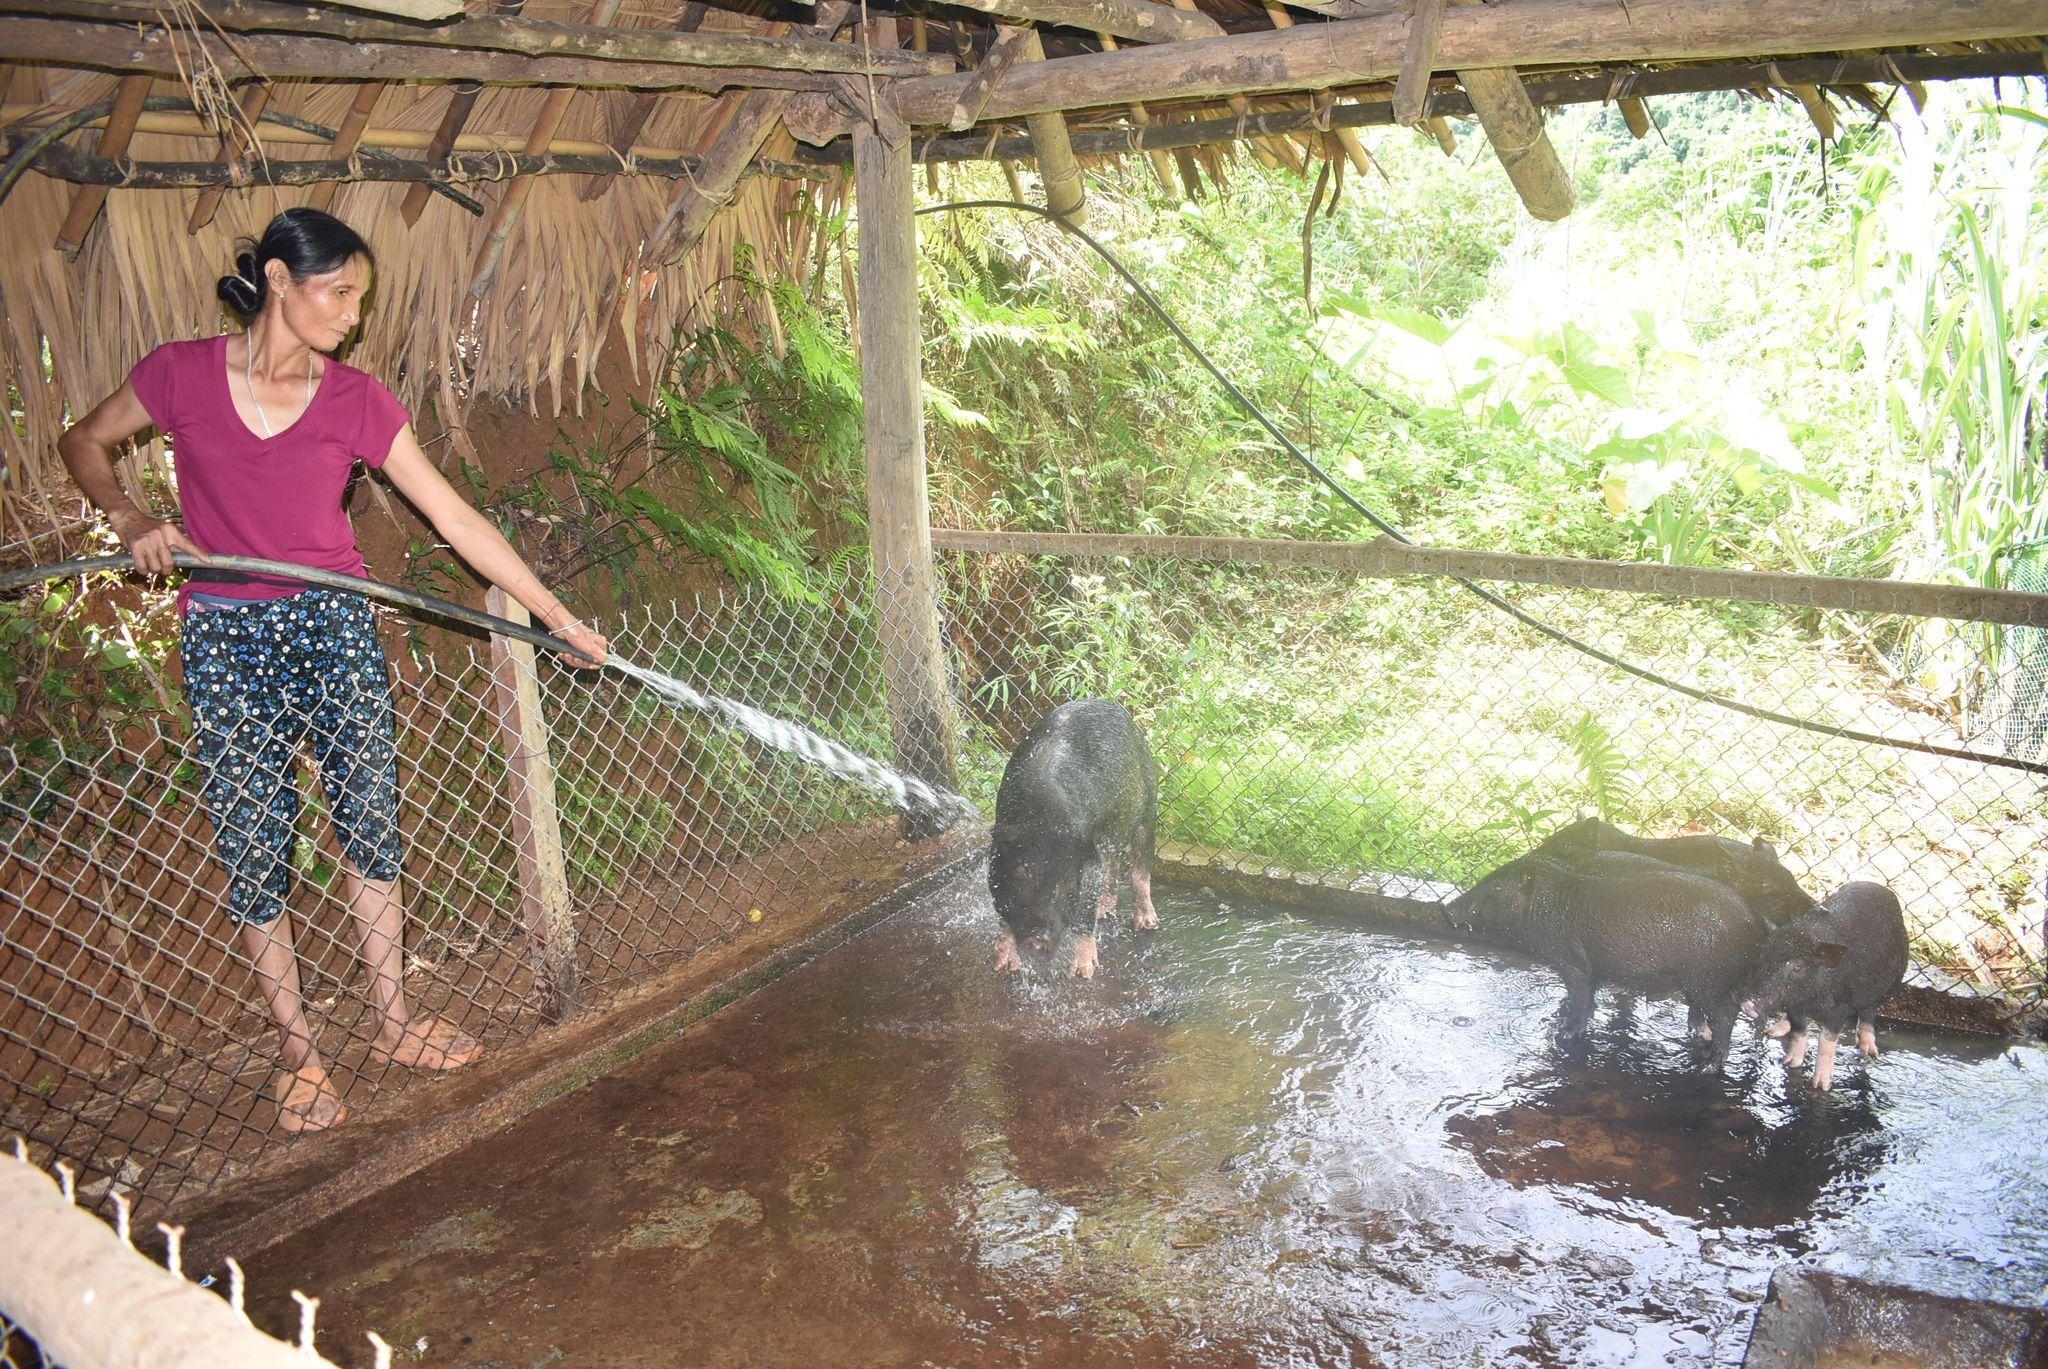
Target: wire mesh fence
1365 729
1398 733
133 1040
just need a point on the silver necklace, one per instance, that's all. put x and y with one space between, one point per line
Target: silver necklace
249 379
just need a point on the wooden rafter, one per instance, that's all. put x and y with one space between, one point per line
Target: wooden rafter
1347 138
639 106
86 204
1009 42
461 102
1138 20
237 141
1424 27
1142 117
708 190
1514 126
1527 33
497 34
346 136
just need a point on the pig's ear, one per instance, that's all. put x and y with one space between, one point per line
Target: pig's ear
1829 953
1760 844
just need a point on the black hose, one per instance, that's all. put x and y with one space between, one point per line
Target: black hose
332 579
1556 634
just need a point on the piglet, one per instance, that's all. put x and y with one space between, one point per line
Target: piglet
1832 966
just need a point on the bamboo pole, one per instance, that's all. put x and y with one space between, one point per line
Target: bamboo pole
512 207
1514 126
86 204
1161 163
346 137
899 516
1347 138
640 106
1636 114
1819 110
1057 169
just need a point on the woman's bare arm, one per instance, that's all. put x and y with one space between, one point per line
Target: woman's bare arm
88 448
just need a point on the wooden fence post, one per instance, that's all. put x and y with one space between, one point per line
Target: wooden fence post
536 829
899 518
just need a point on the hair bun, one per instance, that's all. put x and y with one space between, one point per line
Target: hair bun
243 291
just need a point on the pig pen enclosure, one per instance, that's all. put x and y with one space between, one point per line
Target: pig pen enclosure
1298 1077
751 1092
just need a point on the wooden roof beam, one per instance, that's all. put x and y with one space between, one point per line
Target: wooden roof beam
125 48
1141 21
640 105
346 135
239 136
499 34
1527 33
87 203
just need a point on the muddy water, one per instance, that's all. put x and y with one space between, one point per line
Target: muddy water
1254 1140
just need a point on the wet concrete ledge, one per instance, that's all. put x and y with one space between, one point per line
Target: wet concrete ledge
1413 906
318 1175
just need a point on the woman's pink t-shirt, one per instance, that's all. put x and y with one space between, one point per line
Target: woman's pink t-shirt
277 497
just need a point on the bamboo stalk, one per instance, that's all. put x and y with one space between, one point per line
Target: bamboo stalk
1819 110
1161 163
1348 139
512 207
1057 169
86 204
1636 115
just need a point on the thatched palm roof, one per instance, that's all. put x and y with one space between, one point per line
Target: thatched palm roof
681 99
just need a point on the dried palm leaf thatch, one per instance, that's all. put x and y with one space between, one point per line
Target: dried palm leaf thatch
571 271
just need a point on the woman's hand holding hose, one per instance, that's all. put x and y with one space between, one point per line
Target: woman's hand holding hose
581 644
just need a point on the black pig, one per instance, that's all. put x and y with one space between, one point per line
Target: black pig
1751 870
1614 917
1833 966
1078 797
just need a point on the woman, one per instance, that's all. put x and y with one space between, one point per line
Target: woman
266 429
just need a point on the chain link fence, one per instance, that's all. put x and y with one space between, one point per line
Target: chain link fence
1398 734
1380 730
133 1042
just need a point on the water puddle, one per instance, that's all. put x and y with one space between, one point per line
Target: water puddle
1256 1139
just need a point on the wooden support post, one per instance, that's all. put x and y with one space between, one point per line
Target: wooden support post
899 516
1056 165
1636 114
536 827
86 204
345 139
1514 126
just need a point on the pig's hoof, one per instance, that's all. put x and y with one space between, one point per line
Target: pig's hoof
1779 1027
1145 920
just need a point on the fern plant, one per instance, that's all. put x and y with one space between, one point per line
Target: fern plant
1601 765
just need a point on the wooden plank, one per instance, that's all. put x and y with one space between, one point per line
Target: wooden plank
899 518
1384 558
536 825
86 204
500 34
425 10
1418 62
1138 20
1514 126
346 137
70 43
1528 33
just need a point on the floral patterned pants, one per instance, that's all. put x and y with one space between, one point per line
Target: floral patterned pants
263 680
